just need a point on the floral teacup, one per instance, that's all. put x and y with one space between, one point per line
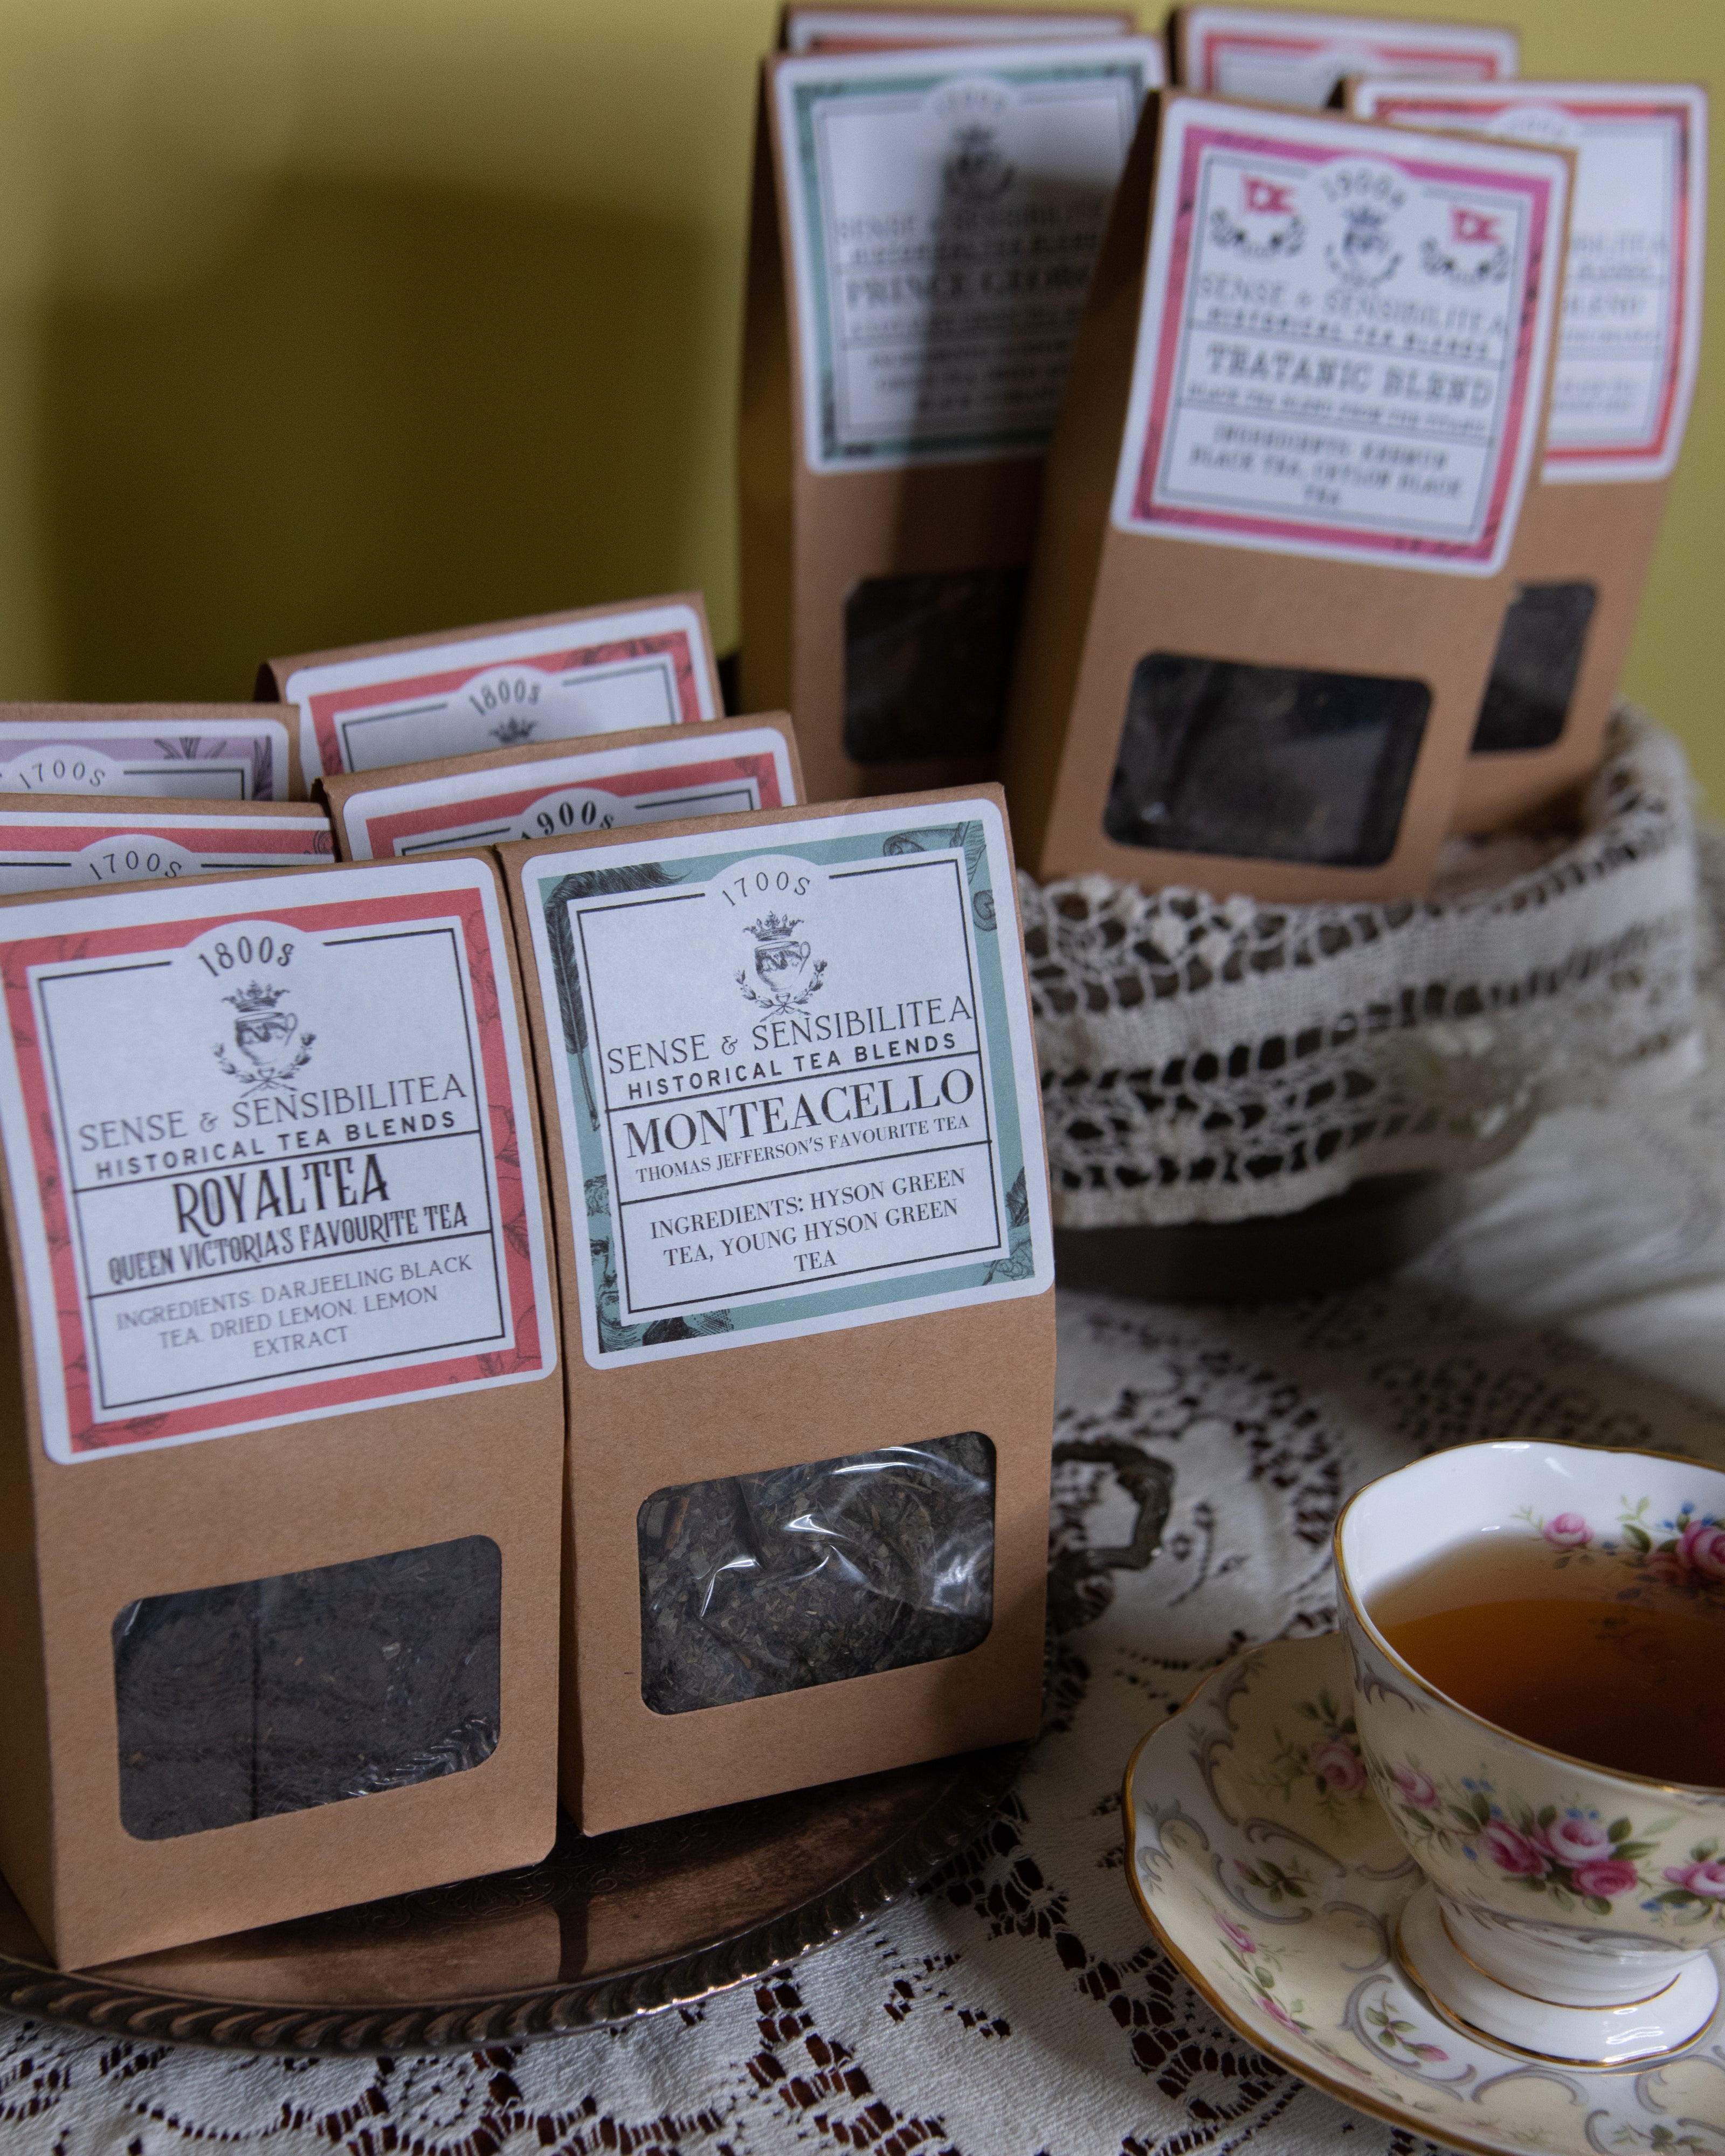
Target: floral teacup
1571 1910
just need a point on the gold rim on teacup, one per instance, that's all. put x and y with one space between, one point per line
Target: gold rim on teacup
1447 1699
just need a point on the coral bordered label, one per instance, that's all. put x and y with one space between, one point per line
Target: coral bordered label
1344 340
647 666
596 790
55 850
271 1153
1290 58
798 1089
1630 347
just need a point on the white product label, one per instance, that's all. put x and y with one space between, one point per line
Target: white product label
599 789
946 211
797 1090
1630 346
643 666
1280 57
1344 339
271 1146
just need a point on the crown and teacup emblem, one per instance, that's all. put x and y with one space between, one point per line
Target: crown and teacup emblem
267 1036
976 169
787 972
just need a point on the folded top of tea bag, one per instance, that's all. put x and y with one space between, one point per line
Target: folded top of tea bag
861 28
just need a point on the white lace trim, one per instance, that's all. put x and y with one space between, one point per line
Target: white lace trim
1210 1059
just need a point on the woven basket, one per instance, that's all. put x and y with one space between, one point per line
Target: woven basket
1211 1059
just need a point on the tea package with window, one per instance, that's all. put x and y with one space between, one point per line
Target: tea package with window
1628 353
923 228
282 1452
796 1158
1304 402
464 691
608 783
63 842
212 752
1290 56
876 23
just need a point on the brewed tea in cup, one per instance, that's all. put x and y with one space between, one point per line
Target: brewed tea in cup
1537 1636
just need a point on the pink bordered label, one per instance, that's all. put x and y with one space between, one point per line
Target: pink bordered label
271 1151
1344 340
644 667
1287 57
1628 346
597 790
48 849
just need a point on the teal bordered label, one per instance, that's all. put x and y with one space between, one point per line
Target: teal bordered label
797 1086
946 211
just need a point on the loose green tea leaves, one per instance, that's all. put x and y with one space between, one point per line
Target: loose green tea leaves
273 1695
756 1584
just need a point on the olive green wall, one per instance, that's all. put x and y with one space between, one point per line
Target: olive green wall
326 320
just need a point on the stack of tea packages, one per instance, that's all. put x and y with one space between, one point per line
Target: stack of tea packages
530 1262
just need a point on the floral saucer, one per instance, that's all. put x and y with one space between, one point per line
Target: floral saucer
1266 1867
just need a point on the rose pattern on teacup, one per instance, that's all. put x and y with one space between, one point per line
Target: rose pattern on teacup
1570 1855
1686 1551
1550 1847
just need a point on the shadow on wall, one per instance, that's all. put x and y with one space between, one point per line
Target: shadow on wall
390 412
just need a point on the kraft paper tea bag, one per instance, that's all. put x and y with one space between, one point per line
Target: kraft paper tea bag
923 228
796 1155
1628 353
598 669
189 751
1282 56
64 842
867 28
615 780
281 1457
1304 402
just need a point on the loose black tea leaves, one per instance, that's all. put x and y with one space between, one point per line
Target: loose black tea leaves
273 1695
928 662
1278 763
1534 671
762 1584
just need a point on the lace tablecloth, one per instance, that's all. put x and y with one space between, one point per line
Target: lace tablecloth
1017 2005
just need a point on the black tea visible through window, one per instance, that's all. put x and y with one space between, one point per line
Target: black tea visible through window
242 1702
763 1584
1273 763
928 662
1534 671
